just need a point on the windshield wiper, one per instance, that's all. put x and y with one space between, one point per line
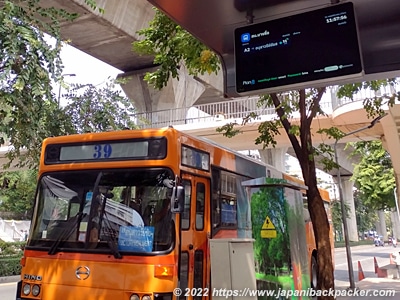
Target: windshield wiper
70 227
111 238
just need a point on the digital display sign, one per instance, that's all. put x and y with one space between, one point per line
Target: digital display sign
107 150
302 50
195 158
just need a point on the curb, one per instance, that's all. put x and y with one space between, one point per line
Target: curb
8 279
339 249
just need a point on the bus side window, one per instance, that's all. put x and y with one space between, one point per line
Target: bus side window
215 202
184 273
228 212
198 273
185 215
200 194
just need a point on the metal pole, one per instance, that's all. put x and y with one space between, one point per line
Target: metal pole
397 209
59 94
342 206
59 88
344 220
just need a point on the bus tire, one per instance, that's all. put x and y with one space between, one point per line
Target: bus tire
314 272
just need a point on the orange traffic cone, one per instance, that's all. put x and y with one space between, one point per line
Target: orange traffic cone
376 265
360 272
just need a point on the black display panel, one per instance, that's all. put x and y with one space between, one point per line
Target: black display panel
309 49
154 148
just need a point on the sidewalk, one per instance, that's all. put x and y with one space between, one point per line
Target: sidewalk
8 279
366 287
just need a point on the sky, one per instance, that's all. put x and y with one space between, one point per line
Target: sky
87 69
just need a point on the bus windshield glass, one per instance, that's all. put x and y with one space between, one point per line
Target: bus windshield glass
119 211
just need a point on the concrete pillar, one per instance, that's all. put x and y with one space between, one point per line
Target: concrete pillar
396 210
187 89
274 157
181 93
394 216
347 189
381 225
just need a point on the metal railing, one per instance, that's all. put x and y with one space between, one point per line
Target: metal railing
235 109
361 95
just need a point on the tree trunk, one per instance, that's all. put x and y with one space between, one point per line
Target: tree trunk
303 148
322 235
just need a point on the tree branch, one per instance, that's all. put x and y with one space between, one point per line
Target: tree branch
314 107
303 117
286 124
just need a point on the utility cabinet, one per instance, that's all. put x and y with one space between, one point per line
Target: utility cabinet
232 269
280 243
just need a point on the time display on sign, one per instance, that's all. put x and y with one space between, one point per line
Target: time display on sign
332 19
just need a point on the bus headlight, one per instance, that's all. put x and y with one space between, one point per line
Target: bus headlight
26 289
134 297
146 297
35 290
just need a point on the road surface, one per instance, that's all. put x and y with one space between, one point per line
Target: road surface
363 254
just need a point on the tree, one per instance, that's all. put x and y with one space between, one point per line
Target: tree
366 216
17 191
306 102
374 176
97 109
28 64
171 46
92 108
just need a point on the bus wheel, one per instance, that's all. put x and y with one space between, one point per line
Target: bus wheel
314 272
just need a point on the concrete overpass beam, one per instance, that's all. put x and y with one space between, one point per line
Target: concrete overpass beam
187 90
346 160
274 157
178 93
214 82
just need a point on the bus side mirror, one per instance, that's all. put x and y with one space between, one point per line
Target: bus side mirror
177 199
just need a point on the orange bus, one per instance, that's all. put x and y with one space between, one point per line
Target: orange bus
129 215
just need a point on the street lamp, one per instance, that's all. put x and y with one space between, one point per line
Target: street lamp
59 88
342 206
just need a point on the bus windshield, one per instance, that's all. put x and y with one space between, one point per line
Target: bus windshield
119 211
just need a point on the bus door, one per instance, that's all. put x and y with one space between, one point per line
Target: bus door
195 230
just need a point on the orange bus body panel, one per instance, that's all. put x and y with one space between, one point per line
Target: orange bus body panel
109 278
